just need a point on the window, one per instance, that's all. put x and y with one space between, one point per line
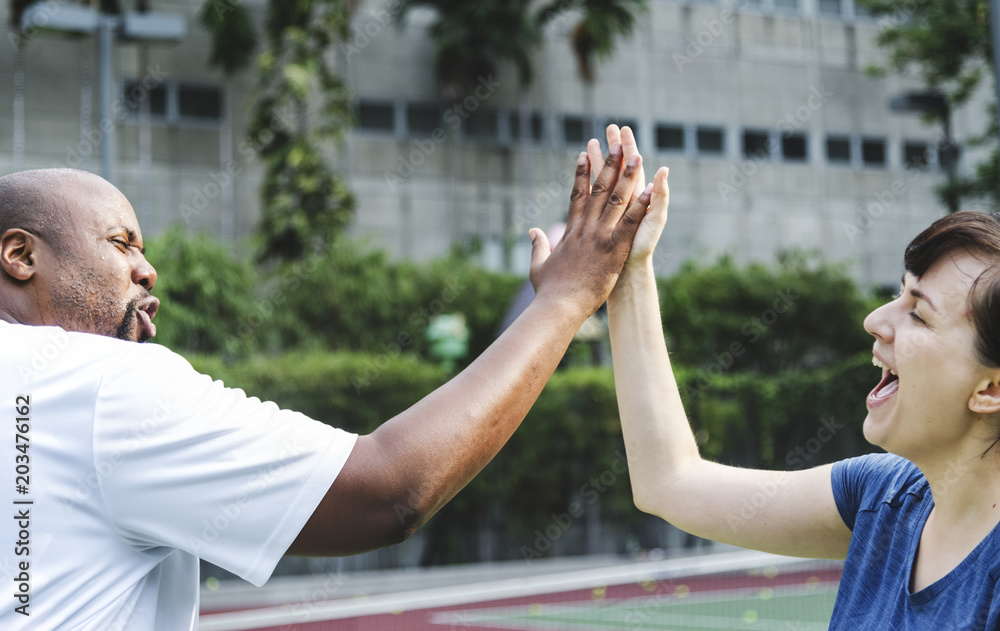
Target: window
873 151
915 155
483 124
710 140
756 144
133 94
838 149
174 101
422 119
536 122
574 130
829 7
670 138
793 147
376 116
771 5
199 102
846 9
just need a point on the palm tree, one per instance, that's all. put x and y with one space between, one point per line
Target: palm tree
594 37
473 39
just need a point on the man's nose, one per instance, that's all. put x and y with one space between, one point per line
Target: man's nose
143 273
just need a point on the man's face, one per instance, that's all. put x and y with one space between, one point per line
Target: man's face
99 281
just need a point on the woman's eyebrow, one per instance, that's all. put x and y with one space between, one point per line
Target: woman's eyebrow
916 293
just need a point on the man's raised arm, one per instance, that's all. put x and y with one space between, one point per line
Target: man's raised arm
421 458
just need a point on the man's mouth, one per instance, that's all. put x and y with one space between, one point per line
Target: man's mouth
145 311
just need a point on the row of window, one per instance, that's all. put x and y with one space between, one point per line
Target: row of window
845 9
504 127
173 101
762 144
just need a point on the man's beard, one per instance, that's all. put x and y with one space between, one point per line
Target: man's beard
78 308
126 329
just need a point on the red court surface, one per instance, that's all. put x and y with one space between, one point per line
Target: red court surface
721 591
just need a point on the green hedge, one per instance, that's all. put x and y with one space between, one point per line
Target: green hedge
347 298
572 435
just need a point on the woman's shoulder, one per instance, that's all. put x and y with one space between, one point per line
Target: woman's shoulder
868 481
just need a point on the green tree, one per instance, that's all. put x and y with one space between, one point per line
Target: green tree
947 43
601 23
301 106
234 40
796 315
302 103
207 296
473 38
593 39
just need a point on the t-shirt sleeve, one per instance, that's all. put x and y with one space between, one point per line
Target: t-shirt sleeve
863 482
187 463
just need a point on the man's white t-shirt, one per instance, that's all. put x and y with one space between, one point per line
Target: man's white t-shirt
129 468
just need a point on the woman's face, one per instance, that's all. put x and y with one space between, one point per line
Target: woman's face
926 338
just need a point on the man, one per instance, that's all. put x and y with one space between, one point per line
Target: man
124 466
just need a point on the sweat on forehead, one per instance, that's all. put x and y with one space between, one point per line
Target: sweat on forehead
50 202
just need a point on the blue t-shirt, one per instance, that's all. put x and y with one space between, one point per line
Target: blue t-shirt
885 500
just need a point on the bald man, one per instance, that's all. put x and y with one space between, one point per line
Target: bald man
124 466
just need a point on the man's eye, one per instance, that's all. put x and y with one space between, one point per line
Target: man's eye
916 318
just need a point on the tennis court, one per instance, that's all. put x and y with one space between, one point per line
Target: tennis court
731 590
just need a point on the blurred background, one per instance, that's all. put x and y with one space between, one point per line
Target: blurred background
337 196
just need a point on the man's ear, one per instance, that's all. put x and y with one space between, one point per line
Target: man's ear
17 254
986 398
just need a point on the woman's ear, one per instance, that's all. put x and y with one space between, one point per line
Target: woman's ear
17 254
986 398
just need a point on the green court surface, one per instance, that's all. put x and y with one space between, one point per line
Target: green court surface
792 608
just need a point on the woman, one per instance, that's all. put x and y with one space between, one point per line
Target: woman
918 525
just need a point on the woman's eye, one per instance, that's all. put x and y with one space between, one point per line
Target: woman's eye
916 318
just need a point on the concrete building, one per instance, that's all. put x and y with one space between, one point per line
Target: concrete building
775 136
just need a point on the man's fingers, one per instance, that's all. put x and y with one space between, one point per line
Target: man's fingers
540 251
618 200
581 191
605 182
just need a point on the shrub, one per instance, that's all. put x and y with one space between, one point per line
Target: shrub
206 293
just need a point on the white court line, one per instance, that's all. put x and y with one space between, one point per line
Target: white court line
494 590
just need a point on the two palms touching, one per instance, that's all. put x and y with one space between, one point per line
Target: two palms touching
655 219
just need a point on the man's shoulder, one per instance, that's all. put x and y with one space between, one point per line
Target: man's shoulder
35 350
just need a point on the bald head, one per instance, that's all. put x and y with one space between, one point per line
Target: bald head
39 201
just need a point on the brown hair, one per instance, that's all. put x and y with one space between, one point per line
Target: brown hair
978 233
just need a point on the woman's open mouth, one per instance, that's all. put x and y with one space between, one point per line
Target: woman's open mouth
886 387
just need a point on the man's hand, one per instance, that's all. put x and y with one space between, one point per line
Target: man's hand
651 225
404 471
583 268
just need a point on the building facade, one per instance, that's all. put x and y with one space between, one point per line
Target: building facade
775 135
